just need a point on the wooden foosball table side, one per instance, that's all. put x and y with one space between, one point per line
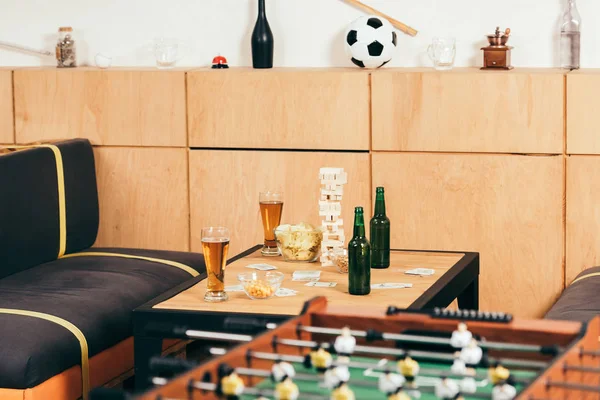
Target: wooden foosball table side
579 365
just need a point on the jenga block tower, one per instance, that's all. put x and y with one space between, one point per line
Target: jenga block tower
330 208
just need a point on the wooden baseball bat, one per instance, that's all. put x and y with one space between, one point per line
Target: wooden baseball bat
399 25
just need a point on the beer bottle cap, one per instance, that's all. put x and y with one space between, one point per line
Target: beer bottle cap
358 210
379 189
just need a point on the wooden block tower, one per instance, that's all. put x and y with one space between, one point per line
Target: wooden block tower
330 207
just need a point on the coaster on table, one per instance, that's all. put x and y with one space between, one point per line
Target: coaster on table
391 285
283 292
420 271
261 267
306 275
321 284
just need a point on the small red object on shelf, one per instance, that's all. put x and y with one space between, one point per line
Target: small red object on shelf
219 62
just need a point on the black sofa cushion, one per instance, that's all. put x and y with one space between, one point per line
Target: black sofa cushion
580 300
96 294
29 216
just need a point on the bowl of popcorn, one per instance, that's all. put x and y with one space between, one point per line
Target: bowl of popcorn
260 284
301 242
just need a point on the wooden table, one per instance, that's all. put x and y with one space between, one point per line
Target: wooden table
183 309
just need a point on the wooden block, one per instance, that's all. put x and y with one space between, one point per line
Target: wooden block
225 187
583 112
468 110
279 108
507 208
583 211
143 196
109 107
6 107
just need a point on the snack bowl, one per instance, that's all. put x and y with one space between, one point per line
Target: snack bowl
260 284
300 242
340 259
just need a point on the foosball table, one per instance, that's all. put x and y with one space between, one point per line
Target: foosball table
344 354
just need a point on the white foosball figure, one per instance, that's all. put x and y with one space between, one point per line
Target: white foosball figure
389 382
338 374
286 390
281 369
458 366
504 391
472 354
468 385
461 337
345 343
446 389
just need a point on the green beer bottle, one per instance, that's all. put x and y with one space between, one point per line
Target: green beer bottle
359 258
380 233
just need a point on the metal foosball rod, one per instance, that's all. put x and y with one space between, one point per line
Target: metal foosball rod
573 386
417 354
401 337
594 370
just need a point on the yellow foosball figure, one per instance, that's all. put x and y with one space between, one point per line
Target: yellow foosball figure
398 395
232 385
286 390
498 374
409 368
319 358
342 392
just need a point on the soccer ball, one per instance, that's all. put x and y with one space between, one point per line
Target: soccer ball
371 41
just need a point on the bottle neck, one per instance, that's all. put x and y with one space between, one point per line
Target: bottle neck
359 225
261 8
380 204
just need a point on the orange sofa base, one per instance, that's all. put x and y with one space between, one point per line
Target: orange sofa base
104 367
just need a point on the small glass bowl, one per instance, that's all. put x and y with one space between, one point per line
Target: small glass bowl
300 242
260 284
340 259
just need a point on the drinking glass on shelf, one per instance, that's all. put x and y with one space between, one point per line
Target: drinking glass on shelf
271 207
215 244
442 52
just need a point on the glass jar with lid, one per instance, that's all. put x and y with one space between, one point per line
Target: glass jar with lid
66 55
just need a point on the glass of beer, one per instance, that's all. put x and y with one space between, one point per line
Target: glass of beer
271 206
215 244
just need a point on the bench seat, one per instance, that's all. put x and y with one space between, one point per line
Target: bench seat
580 300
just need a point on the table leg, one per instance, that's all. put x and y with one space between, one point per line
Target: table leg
144 349
469 298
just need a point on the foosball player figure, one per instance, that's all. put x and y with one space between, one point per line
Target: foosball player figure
280 370
399 394
345 343
472 354
319 358
338 373
232 385
389 382
286 390
461 337
446 388
342 392
409 369
502 380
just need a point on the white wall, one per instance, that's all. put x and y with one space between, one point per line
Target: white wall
307 32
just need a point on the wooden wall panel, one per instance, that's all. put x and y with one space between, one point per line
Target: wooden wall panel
583 214
280 108
508 208
144 198
6 107
583 112
468 110
109 107
225 186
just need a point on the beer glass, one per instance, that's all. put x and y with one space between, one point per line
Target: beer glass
215 244
271 207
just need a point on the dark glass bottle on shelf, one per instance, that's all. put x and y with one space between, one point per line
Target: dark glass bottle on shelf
359 258
262 40
380 233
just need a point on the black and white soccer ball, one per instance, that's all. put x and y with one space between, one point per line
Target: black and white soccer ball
371 41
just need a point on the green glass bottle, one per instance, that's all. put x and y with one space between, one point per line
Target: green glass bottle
359 258
380 233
